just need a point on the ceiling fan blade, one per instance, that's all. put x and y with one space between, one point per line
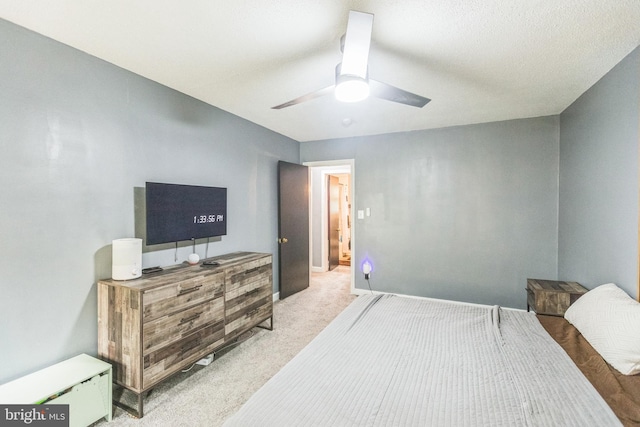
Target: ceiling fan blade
392 93
357 41
317 94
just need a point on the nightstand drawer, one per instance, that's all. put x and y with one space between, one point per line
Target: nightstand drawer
552 297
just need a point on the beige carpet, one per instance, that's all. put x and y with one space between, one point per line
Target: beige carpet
207 396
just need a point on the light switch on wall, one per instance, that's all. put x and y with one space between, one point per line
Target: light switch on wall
360 214
368 211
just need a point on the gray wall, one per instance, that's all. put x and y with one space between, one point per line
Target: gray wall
598 239
78 139
464 213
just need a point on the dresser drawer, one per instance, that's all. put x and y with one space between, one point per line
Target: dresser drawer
249 287
244 298
241 276
167 329
248 300
161 363
180 295
249 313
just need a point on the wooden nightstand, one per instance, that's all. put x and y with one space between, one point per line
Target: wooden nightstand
552 297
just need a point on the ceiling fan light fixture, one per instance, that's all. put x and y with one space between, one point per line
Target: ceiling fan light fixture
351 89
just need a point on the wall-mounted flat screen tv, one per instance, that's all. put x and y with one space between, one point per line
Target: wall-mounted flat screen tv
184 212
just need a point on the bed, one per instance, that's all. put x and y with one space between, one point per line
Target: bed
621 392
397 361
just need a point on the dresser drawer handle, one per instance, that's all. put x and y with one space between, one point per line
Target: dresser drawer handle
190 318
189 290
251 270
252 312
251 292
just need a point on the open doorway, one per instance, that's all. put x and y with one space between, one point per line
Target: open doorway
323 206
339 225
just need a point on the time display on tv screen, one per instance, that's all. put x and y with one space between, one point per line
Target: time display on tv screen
178 212
203 219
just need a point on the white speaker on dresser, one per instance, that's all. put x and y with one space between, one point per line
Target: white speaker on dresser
127 259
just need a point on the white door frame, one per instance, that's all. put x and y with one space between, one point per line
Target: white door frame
327 168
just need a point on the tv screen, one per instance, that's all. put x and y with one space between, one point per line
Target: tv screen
184 212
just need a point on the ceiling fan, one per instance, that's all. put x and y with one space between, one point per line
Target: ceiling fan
352 78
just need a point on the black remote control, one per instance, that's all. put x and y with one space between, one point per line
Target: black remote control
210 263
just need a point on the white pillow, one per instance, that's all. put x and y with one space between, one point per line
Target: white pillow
610 320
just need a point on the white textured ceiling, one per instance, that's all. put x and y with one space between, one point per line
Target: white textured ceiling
478 60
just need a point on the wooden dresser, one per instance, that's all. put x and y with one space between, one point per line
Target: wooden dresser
152 327
552 297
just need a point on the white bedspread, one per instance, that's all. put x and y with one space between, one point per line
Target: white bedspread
393 361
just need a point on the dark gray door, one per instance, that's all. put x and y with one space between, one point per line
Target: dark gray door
333 199
293 228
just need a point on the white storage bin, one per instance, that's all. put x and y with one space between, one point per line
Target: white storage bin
83 382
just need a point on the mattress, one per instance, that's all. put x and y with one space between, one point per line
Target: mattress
395 361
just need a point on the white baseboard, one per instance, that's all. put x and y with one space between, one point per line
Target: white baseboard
276 296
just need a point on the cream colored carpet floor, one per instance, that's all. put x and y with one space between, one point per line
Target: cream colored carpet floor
207 396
